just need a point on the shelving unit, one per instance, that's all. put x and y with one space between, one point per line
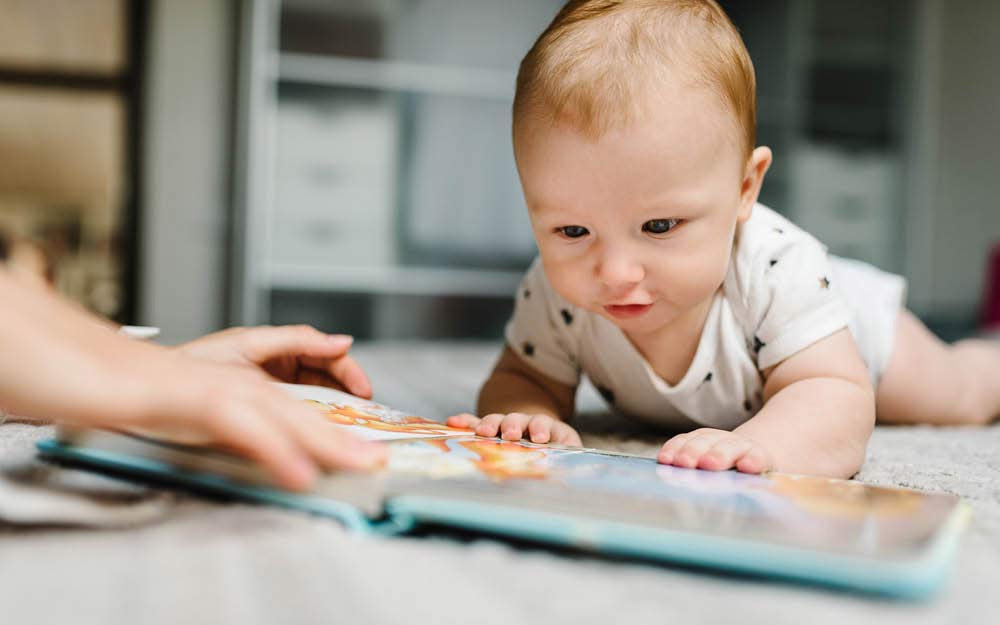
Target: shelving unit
397 76
373 156
395 280
375 164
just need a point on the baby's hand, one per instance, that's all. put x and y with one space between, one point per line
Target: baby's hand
715 450
512 427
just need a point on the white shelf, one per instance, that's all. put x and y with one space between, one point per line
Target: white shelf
393 76
394 280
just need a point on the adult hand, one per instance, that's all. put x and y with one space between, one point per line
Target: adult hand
59 362
298 354
237 409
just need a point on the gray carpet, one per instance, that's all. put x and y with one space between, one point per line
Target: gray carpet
90 550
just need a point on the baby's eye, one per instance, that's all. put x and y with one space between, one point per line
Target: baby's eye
659 226
572 232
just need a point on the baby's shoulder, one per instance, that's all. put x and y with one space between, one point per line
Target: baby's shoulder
762 244
773 260
539 301
535 286
544 328
768 236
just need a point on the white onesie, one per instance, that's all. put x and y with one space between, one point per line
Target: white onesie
782 293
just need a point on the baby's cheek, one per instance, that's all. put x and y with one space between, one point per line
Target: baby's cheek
572 283
697 276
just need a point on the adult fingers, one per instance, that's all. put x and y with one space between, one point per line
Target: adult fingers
319 378
464 420
267 342
342 373
327 445
242 427
489 425
349 373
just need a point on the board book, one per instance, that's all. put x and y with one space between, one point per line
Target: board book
841 533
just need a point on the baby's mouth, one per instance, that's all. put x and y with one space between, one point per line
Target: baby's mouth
627 311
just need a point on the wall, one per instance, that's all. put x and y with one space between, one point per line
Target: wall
966 217
186 165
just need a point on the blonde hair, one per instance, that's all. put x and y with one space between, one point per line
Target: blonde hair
597 57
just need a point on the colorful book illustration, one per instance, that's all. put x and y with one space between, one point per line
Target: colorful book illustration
841 533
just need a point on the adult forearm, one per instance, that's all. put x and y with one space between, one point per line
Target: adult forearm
54 357
818 426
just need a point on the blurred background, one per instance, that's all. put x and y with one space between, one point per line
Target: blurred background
193 164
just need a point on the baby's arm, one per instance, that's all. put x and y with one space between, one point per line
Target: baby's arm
819 411
519 401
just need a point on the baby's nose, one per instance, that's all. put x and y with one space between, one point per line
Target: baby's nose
616 269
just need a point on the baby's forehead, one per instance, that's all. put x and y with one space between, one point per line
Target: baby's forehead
671 156
606 109
606 65
681 116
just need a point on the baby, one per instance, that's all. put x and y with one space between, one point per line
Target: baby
660 277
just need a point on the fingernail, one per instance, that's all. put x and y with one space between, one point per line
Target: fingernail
340 339
363 390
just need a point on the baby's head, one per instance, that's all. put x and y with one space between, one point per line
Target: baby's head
634 130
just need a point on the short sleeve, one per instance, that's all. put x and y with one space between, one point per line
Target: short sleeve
541 330
785 284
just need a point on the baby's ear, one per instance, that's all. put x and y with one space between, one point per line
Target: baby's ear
753 178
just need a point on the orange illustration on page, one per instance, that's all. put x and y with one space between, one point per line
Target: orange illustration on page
375 417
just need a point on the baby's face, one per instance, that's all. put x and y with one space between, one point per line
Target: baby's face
638 225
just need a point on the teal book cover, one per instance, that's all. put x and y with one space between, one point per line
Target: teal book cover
841 533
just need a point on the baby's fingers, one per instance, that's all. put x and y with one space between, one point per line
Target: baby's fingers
514 426
724 454
464 420
540 429
755 460
545 429
691 453
670 448
489 426
565 435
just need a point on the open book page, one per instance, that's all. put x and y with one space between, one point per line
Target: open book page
836 515
367 419
816 513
